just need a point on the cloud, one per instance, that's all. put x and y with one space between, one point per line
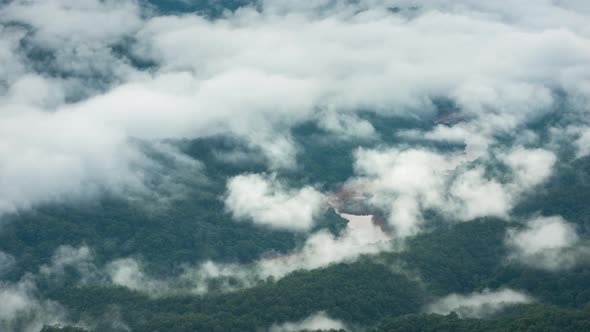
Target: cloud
6 262
127 272
80 64
266 201
529 166
22 310
54 20
23 306
81 259
321 249
477 196
478 305
549 243
318 321
480 196
358 68
11 66
50 156
405 182
51 22
58 156
346 125
582 143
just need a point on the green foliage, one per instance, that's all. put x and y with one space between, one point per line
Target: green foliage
362 292
187 231
564 194
522 318
470 251
59 328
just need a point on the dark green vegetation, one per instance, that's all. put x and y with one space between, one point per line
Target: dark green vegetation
362 292
59 328
521 318
365 292
198 229
565 194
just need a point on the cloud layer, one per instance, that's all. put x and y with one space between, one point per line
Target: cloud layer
478 305
406 182
549 243
319 321
266 201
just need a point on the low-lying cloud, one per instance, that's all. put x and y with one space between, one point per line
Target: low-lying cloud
266 201
318 321
22 310
478 305
549 243
321 249
405 182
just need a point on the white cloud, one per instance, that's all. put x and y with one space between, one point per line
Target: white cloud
265 201
530 166
321 249
54 20
582 143
22 310
75 39
545 233
51 156
478 305
346 125
11 66
128 272
549 243
81 259
358 68
405 182
318 321
477 196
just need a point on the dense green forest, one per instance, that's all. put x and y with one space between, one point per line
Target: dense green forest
523 318
371 291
